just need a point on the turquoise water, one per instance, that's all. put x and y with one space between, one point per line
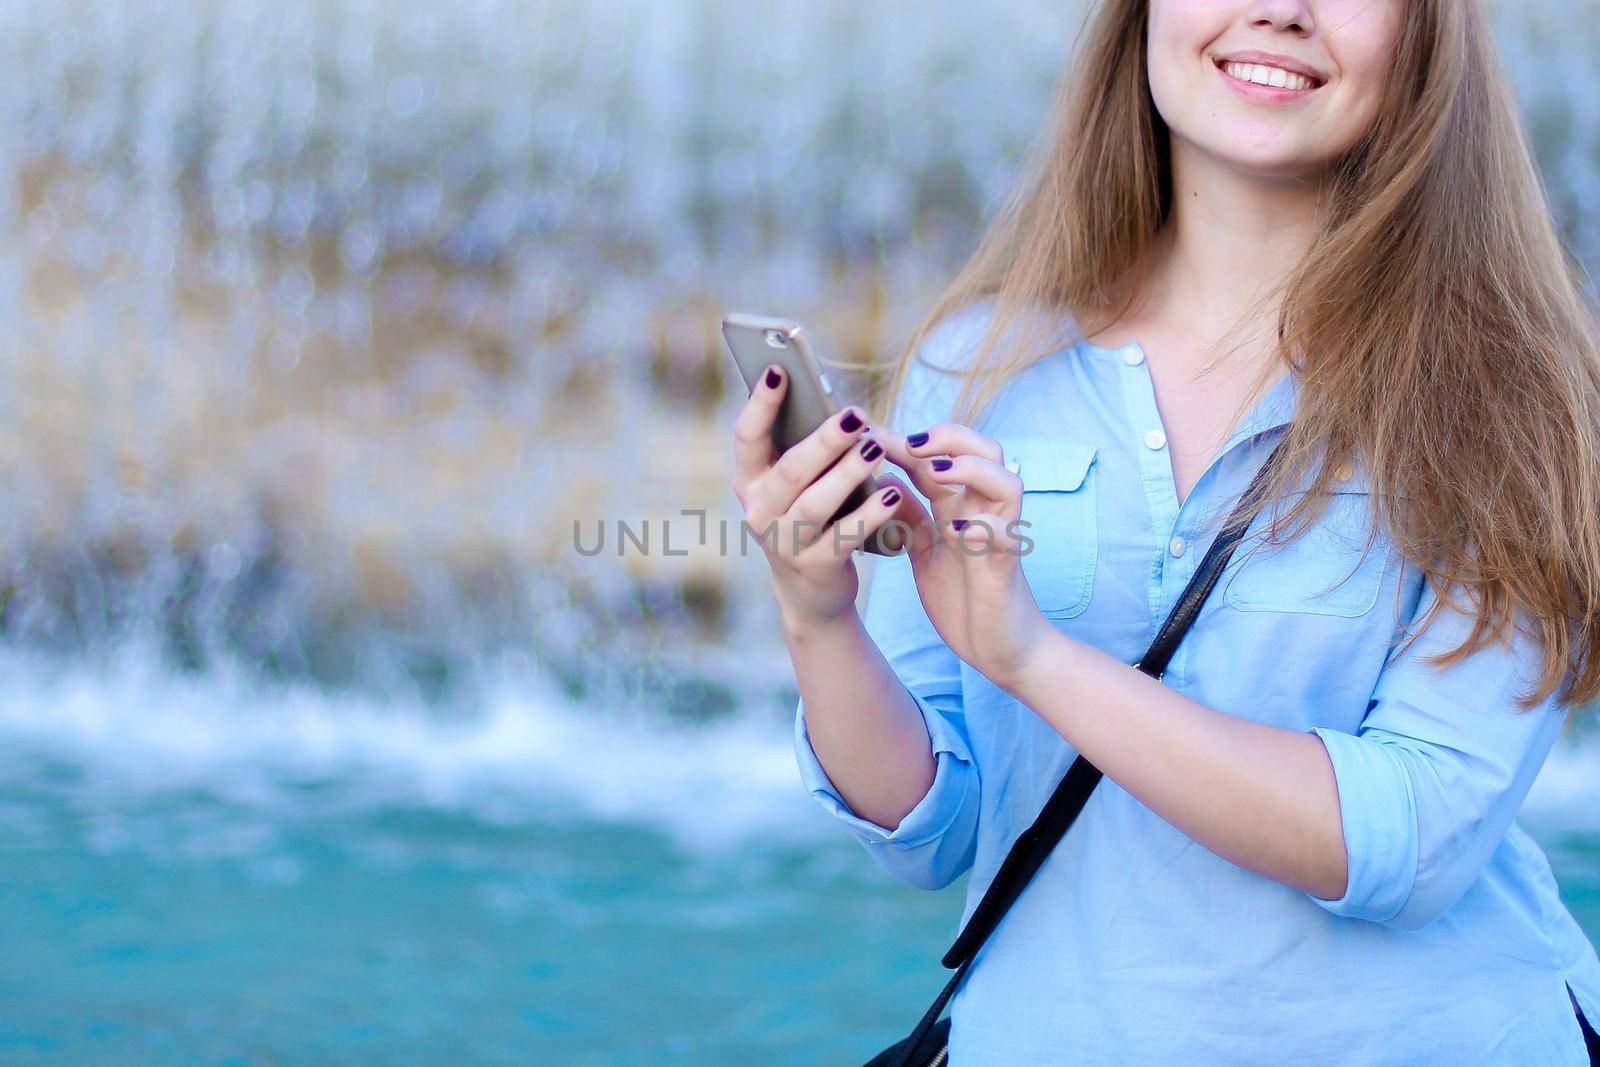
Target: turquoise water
285 889
188 930
197 872
409 937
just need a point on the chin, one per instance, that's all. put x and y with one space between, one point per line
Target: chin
1280 162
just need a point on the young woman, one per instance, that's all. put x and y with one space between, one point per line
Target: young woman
1312 223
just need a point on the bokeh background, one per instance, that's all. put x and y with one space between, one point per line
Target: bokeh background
323 321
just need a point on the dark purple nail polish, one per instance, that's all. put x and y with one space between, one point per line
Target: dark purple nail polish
871 450
958 524
917 440
850 423
773 378
942 464
891 498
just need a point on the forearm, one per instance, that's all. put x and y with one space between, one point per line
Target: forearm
1260 796
864 726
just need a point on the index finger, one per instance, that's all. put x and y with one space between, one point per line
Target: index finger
914 453
752 430
919 469
953 439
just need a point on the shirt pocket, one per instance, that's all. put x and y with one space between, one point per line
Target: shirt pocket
1322 571
1058 506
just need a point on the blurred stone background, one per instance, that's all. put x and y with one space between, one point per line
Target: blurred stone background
326 318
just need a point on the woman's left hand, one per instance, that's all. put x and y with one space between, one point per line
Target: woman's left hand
967 564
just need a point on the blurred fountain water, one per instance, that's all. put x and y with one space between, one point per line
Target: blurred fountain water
326 317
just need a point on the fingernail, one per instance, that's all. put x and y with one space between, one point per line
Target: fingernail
871 450
891 498
917 440
958 524
850 423
774 379
942 464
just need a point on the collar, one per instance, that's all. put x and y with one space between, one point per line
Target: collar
1272 411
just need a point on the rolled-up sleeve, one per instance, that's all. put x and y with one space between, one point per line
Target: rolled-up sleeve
934 844
1440 765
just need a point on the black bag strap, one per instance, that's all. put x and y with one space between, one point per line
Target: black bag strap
1033 845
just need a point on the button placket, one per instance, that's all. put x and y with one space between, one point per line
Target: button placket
1175 563
1171 566
1167 574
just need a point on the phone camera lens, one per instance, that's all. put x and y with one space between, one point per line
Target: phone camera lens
777 339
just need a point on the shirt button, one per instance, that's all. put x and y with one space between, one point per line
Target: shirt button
1133 356
1154 439
1176 546
1343 472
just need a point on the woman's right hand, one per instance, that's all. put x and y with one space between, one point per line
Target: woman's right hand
789 498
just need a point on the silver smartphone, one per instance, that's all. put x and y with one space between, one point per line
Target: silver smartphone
755 342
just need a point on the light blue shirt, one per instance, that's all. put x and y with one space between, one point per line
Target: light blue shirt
1134 944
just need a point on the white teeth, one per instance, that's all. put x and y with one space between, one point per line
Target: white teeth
1265 75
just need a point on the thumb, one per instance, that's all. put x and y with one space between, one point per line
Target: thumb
916 523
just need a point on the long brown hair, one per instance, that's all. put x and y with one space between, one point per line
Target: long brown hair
1459 360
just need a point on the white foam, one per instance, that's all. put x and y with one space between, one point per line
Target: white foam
525 754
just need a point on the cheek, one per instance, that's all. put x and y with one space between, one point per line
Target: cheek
1366 60
1367 47
1177 27
1178 32
1171 97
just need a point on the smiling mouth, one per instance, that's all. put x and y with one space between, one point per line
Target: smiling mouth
1268 76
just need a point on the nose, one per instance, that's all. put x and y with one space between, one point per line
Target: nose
1290 16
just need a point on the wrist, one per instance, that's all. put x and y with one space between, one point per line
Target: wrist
1045 668
805 627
